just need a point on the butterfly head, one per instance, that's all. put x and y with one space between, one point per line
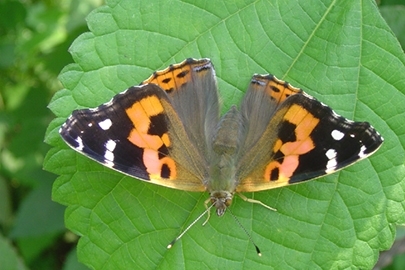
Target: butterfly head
221 200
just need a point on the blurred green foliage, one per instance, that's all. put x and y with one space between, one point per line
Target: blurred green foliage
34 41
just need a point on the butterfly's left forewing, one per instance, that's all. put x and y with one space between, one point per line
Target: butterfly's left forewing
139 134
158 131
303 139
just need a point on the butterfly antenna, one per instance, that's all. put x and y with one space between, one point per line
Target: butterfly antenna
189 226
247 233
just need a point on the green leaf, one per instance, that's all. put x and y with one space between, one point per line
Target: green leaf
395 17
37 216
342 52
9 258
5 203
72 262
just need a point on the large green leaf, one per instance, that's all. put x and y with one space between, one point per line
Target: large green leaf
342 52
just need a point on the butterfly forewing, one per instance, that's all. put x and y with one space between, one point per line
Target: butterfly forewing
138 133
304 139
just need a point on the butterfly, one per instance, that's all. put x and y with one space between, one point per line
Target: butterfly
168 131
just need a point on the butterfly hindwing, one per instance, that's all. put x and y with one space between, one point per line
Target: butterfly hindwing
262 99
192 89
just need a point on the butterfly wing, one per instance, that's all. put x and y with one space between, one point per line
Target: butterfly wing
310 139
263 98
192 90
147 132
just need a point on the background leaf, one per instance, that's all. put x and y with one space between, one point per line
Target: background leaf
33 48
342 52
9 258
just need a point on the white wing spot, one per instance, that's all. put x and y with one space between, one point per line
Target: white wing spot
337 135
80 144
332 163
110 145
109 155
105 124
363 148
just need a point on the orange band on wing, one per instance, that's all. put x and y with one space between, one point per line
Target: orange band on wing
156 166
280 91
283 168
175 76
140 114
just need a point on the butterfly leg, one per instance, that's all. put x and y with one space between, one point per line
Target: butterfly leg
246 199
208 212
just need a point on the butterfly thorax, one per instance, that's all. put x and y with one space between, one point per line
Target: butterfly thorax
223 157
